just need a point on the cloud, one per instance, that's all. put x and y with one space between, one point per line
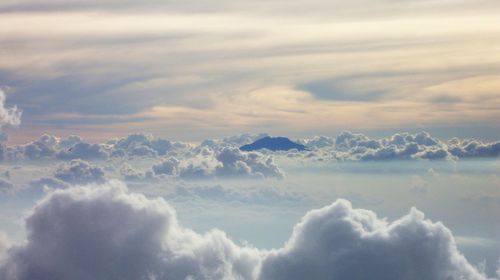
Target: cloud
378 55
8 116
44 147
130 174
228 162
49 147
83 150
345 243
106 232
166 167
79 172
399 146
235 163
144 145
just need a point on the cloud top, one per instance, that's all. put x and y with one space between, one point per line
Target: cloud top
106 232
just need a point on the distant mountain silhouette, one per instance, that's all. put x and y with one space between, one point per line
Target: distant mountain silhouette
273 144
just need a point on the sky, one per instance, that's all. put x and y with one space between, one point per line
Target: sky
109 68
122 122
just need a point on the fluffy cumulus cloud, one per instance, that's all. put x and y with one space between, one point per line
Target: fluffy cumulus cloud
227 162
49 147
235 163
107 232
222 158
79 172
166 167
402 146
345 243
144 145
130 174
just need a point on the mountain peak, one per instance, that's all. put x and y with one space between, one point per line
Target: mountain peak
273 144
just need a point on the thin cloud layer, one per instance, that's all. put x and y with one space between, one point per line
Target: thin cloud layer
107 232
370 65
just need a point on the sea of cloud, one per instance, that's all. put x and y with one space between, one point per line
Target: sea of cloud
105 231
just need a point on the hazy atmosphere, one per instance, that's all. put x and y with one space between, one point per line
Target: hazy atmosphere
250 140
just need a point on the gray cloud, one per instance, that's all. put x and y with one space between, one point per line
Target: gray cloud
167 167
83 151
107 232
79 172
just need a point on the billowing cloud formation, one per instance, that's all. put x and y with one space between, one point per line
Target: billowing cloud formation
235 163
221 158
229 162
345 243
74 147
166 167
108 233
79 172
144 145
355 146
130 174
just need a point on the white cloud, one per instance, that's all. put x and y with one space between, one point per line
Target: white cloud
402 146
340 242
8 116
106 232
235 163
